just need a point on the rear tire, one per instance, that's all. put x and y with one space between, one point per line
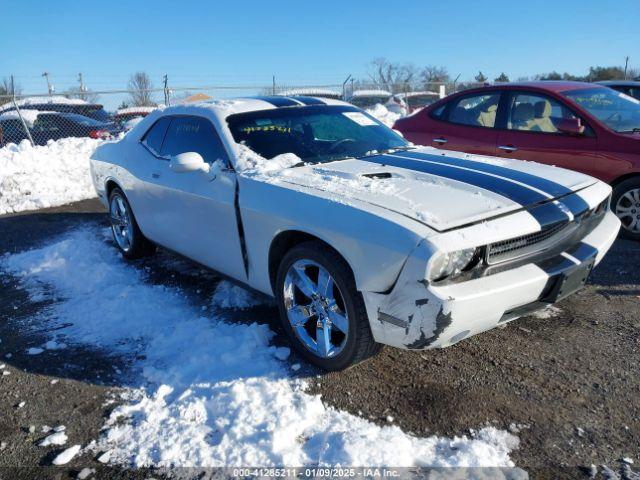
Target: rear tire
625 203
330 330
124 228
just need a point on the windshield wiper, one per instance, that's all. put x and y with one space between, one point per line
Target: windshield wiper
373 153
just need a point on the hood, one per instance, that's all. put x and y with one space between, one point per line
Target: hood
447 190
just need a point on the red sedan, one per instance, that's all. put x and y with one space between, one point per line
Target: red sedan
580 126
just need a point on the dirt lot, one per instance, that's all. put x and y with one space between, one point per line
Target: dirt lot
568 385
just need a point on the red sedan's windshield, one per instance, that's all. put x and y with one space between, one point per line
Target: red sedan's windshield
616 110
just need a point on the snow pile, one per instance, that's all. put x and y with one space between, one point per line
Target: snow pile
210 393
230 295
45 176
383 114
249 161
42 100
128 110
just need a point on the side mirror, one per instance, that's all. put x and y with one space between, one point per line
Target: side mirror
571 126
188 162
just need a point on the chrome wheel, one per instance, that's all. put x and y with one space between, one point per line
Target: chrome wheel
315 308
121 225
627 209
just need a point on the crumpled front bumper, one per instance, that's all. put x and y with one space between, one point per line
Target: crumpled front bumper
417 315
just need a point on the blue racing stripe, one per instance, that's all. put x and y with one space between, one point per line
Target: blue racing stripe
517 193
554 189
309 100
278 101
545 212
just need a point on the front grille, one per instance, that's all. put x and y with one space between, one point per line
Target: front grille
526 244
548 237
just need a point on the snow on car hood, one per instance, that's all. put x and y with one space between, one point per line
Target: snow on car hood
443 190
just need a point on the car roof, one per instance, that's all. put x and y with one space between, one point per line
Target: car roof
620 83
547 85
228 107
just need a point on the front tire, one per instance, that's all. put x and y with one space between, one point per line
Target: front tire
124 228
321 310
625 203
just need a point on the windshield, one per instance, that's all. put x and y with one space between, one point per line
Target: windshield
616 110
82 120
315 134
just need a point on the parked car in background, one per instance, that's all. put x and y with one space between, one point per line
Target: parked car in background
361 238
414 101
581 126
312 92
368 98
60 104
628 87
45 126
128 117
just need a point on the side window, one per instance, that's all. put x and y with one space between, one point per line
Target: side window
193 134
536 113
155 135
45 124
439 112
475 110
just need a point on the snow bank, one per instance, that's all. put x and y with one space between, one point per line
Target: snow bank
45 176
383 114
210 393
123 111
41 100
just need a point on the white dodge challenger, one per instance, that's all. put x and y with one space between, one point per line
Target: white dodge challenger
362 238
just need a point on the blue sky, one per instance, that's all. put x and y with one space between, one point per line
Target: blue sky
306 42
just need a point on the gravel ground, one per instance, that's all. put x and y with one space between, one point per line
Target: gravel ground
568 385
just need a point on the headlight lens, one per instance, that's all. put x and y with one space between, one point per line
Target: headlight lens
451 263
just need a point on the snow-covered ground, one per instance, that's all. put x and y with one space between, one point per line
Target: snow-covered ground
45 176
204 392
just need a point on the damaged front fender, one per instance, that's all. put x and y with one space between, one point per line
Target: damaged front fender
411 316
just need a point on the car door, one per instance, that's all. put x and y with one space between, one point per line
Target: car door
467 124
530 132
191 213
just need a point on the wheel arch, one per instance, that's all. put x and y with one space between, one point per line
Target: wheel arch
109 185
623 178
285 241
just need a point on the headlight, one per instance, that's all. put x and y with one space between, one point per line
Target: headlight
451 263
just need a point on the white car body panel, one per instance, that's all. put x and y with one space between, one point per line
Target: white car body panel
388 216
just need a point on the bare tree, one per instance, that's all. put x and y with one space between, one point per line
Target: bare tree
392 75
5 87
86 95
140 87
433 74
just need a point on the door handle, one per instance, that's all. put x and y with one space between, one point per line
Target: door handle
155 175
508 148
440 140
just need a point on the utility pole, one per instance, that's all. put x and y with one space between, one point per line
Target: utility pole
167 96
49 86
82 86
626 64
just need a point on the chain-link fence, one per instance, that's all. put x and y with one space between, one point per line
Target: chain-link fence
41 117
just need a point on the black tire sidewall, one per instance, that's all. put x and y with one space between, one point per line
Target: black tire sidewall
619 191
347 288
